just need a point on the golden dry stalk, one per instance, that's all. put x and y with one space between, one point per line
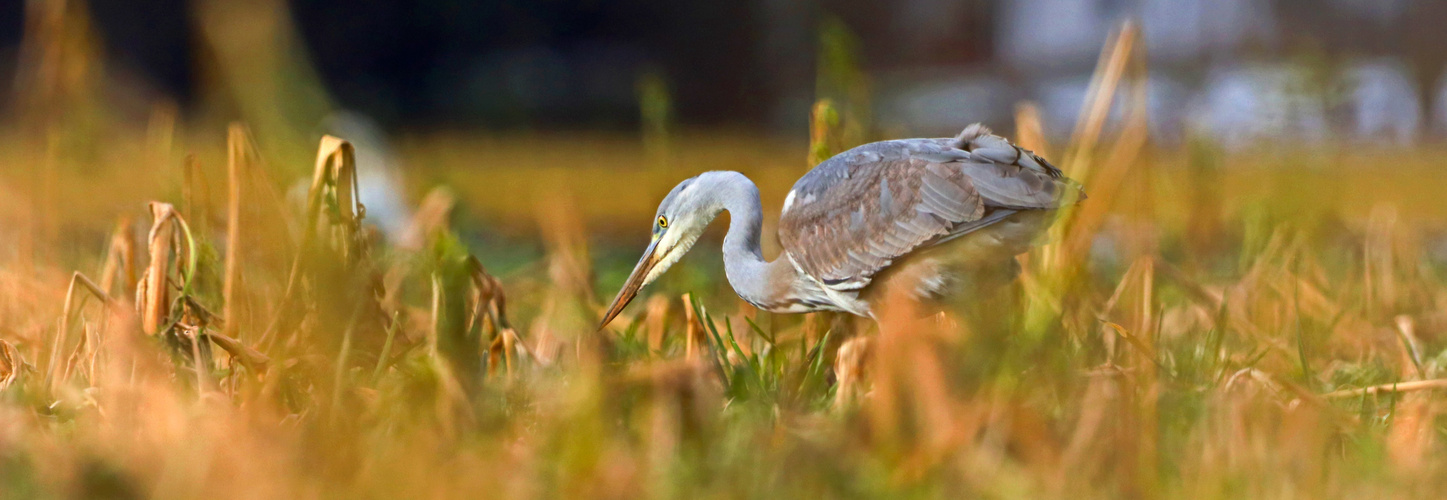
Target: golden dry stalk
489 305
120 258
248 356
153 295
656 320
850 367
238 164
11 364
332 207
72 302
501 352
1029 131
336 174
693 330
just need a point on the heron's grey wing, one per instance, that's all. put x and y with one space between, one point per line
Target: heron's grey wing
858 212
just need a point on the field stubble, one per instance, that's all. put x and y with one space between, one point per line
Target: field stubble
1268 323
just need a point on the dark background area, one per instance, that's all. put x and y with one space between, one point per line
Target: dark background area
577 63
526 63
495 63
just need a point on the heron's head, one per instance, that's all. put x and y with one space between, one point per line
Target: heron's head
681 218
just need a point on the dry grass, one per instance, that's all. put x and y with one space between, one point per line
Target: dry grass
1271 362
1266 324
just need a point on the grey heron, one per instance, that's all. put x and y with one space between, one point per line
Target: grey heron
934 206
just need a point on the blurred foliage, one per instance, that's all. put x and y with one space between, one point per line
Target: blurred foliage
1266 324
1211 394
841 81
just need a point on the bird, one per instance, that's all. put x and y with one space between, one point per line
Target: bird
934 210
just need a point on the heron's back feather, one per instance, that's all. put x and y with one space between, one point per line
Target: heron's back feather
856 213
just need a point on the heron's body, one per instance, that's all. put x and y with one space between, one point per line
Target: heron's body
932 215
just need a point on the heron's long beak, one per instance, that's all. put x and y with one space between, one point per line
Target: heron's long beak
633 285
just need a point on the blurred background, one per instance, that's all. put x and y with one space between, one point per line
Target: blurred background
516 108
1234 69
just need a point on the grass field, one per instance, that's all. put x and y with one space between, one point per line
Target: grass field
1269 323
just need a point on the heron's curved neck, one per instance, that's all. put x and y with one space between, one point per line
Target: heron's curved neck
754 279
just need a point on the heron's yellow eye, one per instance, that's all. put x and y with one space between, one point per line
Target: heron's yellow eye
662 222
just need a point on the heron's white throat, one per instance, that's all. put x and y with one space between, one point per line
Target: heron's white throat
673 252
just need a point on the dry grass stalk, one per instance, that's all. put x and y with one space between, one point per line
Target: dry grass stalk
195 191
336 172
333 187
12 364
85 350
489 301
490 306
1080 226
1029 130
1411 347
1396 387
1060 262
249 357
656 321
201 365
334 175
153 296
814 326
500 353
77 281
1132 280
692 330
850 370
1412 433
1099 97
238 163
120 258
1137 203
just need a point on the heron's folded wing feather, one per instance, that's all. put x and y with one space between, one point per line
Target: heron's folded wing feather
841 229
855 214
